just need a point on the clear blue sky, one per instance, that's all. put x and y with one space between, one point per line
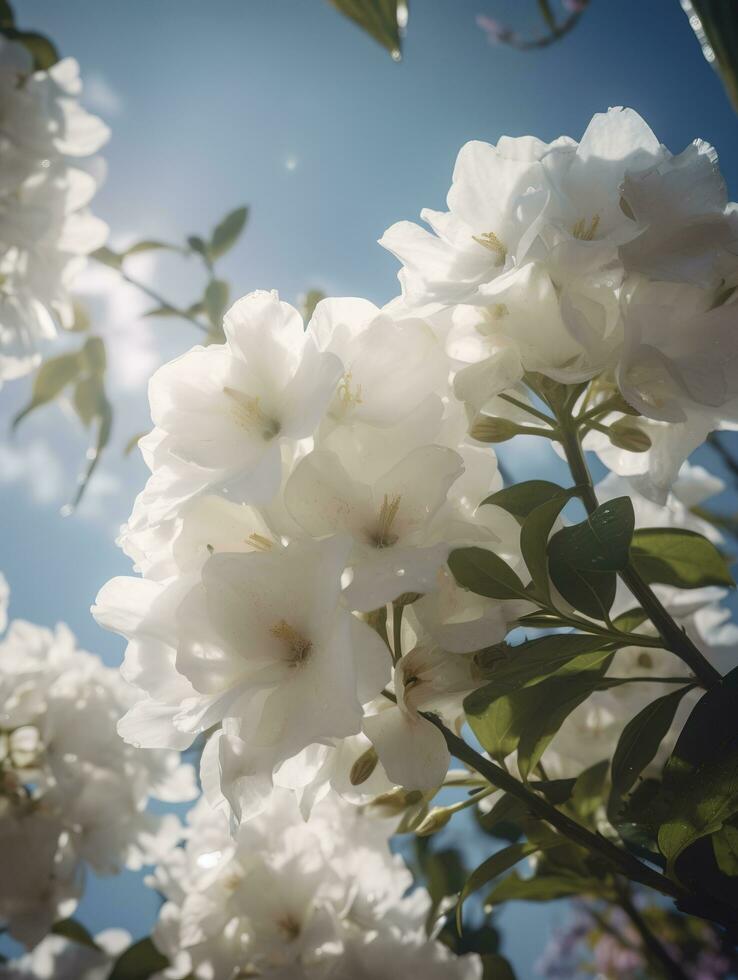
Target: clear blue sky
286 106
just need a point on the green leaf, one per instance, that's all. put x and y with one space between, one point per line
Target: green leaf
601 543
197 244
529 718
108 257
51 379
41 48
640 740
227 233
628 621
677 557
150 245
542 888
725 846
718 34
483 572
216 301
87 399
162 311
587 795
503 820
139 962
521 499
133 443
382 19
532 661
7 19
103 416
308 302
700 783
495 865
496 967
74 931
534 538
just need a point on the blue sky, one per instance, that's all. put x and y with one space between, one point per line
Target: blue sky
286 106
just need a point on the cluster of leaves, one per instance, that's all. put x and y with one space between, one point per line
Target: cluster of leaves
687 822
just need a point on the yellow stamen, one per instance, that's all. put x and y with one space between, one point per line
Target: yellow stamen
347 397
383 537
259 542
289 927
498 311
298 647
584 232
249 415
492 242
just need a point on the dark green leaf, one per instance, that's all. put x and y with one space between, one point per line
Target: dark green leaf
495 865
382 19
700 783
227 233
139 962
725 846
52 377
41 49
678 557
162 311
496 967
483 572
601 543
534 538
545 8
74 931
7 20
587 795
640 740
718 34
216 301
521 499
503 820
198 245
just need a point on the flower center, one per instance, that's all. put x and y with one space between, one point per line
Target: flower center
298 647
249 415
289 927
384 537
586 232
348 397
492 242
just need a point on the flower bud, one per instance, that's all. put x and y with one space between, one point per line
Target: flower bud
627 435
486 428
363 767
436 820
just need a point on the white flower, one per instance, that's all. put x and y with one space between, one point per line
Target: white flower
288 898
45 226
412 749
389 522
73 792
226 410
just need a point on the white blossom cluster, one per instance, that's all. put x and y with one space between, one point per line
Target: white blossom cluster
306 479
290 899
72 793
59 958
46 184
607 258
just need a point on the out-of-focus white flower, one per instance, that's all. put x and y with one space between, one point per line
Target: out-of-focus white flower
46 228
290 898
72 792
58 958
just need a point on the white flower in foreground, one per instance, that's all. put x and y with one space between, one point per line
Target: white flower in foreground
226 410
389 522
45 226
263 644
73 792
290 898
